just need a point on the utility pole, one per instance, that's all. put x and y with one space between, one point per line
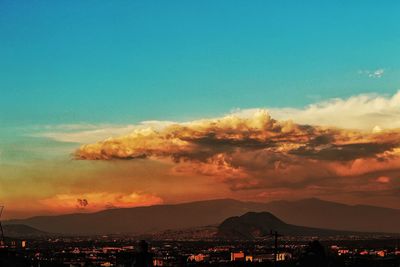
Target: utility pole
1 229
275 235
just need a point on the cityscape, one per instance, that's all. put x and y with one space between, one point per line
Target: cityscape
121 251
250 239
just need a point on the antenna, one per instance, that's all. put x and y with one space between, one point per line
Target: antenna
275 235
1 228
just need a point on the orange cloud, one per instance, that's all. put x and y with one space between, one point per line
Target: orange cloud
383 179
201 140
256 151
98 201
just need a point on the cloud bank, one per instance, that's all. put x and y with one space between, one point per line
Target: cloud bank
253 151
205 139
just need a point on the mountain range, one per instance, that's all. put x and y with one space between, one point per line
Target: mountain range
144 220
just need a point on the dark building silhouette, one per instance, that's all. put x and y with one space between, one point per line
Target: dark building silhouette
142 257
314 256
10 258
124 259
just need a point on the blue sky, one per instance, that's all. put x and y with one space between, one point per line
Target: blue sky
79 72
127 61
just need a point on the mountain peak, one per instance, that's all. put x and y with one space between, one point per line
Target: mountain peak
262 216
253 225
250 225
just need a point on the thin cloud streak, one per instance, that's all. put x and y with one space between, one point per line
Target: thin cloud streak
375 74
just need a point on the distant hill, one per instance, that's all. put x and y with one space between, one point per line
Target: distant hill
254 225
143 220
314 212
22 231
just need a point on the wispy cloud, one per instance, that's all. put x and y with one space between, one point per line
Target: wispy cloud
87 133
376 74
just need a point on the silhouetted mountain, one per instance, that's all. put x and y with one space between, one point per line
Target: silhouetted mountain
324 214
22 231
254 225
143 220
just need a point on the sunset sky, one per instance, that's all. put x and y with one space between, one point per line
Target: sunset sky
127 103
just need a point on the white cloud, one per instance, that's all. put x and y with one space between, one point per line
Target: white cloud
378 73
364 112
88 133
369 112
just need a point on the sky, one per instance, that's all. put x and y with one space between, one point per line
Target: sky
127 103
